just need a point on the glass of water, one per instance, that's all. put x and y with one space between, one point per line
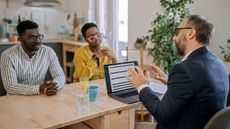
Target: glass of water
82 99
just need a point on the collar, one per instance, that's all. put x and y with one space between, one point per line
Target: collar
195 52
25 54
186 56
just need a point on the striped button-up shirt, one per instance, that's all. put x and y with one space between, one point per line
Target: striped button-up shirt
23 75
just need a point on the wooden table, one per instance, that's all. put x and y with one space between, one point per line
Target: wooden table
50 112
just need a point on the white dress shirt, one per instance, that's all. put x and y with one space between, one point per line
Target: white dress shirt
24 75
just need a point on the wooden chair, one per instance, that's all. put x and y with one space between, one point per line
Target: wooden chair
145 125
2 89
228 99
142 111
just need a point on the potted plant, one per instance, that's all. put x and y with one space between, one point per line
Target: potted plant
140 42
225 51
162 32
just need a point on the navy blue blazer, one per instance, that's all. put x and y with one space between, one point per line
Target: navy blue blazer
197 89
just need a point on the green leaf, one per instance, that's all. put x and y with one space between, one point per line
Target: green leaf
162 31
225 51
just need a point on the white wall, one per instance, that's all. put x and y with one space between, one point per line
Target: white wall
216 11
55 17
81 7
142 13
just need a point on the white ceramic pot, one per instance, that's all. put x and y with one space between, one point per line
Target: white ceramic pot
139 45
227 64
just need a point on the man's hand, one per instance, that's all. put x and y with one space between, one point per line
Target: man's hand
137 76
159 74
48 88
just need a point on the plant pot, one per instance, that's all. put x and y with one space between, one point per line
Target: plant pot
139 45
227 64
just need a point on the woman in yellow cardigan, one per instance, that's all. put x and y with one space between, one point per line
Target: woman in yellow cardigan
89 59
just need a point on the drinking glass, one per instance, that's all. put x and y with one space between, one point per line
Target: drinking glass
84 82
82 98
93 93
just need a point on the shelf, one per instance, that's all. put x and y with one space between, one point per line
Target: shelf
69 47
141 55
70 50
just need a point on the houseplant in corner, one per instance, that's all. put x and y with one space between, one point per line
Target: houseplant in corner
140 42
225 51
162 32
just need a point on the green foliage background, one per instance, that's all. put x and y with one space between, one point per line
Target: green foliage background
162 32
225 51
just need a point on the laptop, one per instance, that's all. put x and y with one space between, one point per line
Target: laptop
118 87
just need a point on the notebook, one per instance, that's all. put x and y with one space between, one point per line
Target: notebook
118 87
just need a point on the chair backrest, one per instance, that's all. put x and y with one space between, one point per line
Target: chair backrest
228 99
220 120
2 89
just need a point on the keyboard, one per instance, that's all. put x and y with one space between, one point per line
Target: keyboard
128 94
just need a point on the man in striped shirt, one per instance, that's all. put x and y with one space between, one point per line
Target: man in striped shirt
24 66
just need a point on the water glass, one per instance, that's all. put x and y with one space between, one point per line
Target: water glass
82 99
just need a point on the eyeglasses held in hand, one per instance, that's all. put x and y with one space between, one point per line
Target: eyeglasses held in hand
177 30
93 37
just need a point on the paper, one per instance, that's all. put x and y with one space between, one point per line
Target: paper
158 87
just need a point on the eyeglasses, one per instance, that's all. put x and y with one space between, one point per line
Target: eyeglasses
93 37
177 30
36 37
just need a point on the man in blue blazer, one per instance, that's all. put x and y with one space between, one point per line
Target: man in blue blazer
197 87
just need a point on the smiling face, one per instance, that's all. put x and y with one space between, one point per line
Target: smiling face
31 39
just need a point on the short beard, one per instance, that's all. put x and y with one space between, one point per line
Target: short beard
180 47
179 50
33 49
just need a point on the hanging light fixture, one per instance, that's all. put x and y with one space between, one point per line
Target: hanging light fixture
41 3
